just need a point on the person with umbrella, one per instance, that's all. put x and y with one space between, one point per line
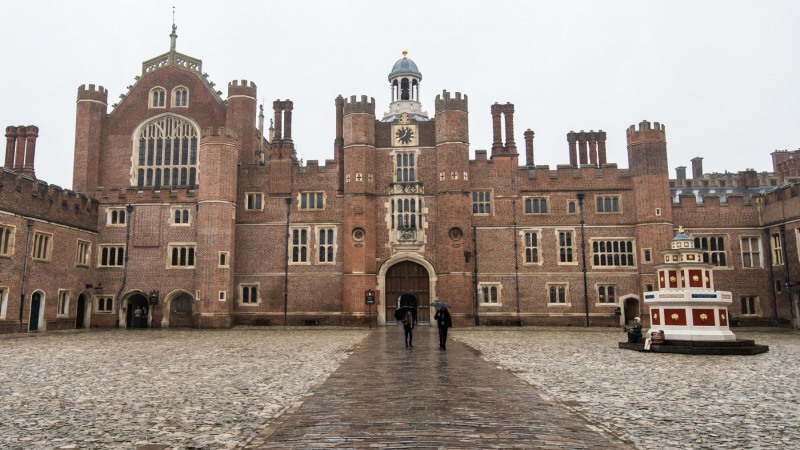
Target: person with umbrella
408 328
443 321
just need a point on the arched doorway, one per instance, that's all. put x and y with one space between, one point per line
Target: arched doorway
631 309
180 311
137 302
37 311
80 314
407 284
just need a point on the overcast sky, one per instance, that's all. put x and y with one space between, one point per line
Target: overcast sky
721 75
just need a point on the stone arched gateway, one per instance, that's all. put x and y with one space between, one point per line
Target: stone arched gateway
177 310
408 281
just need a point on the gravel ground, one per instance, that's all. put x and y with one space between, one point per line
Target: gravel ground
659 401
182 388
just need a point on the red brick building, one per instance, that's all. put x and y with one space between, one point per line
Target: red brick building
186 211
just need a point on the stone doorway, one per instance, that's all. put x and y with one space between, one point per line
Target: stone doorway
80 315
37 308
408 285
132 319
631 310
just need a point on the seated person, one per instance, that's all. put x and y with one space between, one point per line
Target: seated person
634 333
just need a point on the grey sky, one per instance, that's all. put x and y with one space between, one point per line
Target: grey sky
722 75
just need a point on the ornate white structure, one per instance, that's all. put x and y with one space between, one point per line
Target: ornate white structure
686 307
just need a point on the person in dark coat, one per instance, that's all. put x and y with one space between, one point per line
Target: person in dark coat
408 328
444 322
634 333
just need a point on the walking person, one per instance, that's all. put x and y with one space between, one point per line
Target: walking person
408 329
443 322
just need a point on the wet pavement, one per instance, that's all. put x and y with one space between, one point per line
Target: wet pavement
317 387
388 396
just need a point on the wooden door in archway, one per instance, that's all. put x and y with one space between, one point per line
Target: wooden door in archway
408 278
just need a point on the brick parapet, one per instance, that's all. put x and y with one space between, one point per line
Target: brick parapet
23 195
362 106
99 94
446 102
242 88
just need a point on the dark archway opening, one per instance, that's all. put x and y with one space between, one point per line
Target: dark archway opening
137 312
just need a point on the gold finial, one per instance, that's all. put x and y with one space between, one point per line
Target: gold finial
405 52
680 229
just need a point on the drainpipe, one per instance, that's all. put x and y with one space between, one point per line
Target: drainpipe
583 258
286 265
129 213
25 271
475 276
782 229
516 243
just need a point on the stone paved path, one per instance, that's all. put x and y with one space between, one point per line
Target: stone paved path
387 396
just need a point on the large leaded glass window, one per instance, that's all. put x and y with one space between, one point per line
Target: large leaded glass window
166 154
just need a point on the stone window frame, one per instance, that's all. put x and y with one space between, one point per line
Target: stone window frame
176 97
406 212
116 216
647 256
536 205
118 253
550 293
488 287
406 164
709 254
300 252
253 201
183 217
329 248
572 206
750 251
83 253
776 247
42 249
222 296
482 199
107 305
175 255
534 257
8 234
611 254
750 305
157 98
603 298
165 152
223 260
564 256
608 204
62 308
3 301
249 289
317 203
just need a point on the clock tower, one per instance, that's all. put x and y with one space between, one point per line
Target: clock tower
404 80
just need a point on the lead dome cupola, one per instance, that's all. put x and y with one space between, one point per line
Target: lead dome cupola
405 66
404 80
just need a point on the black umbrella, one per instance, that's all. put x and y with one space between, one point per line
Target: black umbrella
400 313
440 304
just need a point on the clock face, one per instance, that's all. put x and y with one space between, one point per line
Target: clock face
404 135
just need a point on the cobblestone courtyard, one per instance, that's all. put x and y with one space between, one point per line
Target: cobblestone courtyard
215 389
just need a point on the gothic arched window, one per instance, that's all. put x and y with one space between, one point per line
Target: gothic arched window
165 153
157 96
180 97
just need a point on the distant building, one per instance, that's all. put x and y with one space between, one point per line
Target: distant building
186 208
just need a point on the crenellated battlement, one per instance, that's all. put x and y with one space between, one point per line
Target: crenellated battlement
362 106
646 132
445 102
243 87
133 194
26 196
212 132
100 94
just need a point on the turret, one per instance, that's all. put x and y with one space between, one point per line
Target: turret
241 116
216 210
647 149
90 130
